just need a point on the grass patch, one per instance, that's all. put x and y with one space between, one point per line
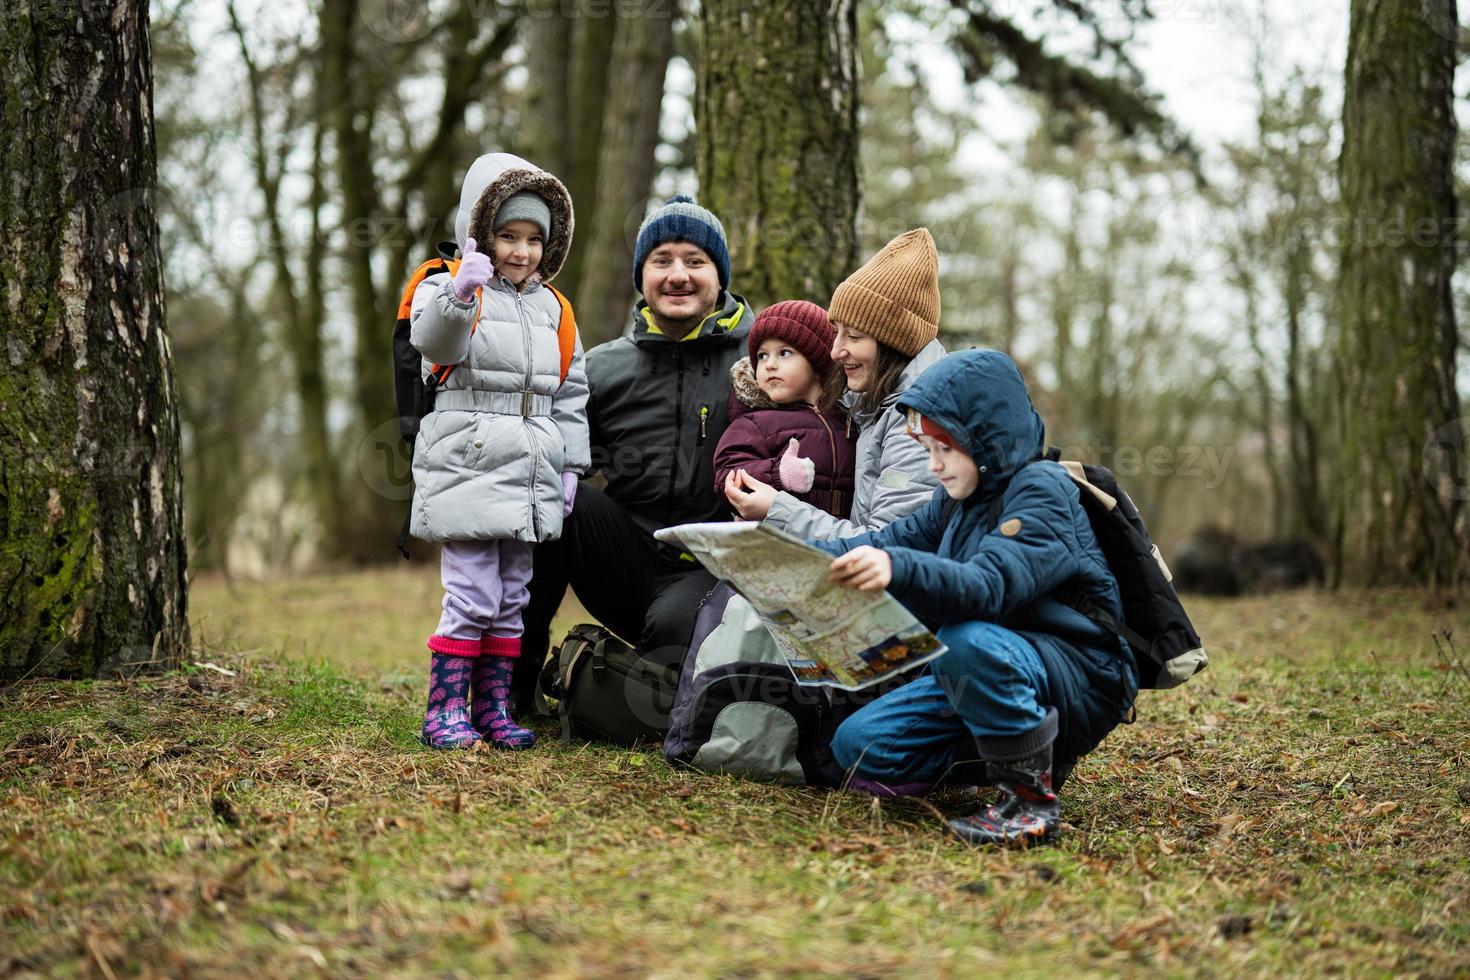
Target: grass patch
1301 808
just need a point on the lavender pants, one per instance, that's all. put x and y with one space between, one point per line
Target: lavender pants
484 588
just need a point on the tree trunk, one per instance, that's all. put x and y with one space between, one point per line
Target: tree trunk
593 37
1400 414
378 505
93 569
1308 515
777 142
604 293
304 316
1264 395
545 130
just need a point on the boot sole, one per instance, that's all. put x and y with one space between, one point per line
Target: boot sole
510 746
449 748
1018 842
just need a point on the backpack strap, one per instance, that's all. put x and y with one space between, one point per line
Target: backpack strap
438 373
566 331
1070 597
432 267
1109 622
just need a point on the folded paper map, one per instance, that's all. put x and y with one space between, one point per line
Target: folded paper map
831 635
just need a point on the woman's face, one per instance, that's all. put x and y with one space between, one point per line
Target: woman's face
856 354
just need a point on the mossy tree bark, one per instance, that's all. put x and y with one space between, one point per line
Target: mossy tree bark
777 142
93 562
1402 438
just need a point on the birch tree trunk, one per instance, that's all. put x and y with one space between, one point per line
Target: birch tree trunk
777 142
93 563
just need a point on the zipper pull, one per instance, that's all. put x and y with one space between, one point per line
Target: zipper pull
703 419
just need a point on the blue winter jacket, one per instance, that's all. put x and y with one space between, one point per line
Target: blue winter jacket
1010 573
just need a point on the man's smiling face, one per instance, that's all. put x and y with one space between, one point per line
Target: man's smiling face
680 284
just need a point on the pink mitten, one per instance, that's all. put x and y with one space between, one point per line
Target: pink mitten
475 269
568 493
797 472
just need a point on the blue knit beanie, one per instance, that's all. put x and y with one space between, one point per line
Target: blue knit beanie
681 220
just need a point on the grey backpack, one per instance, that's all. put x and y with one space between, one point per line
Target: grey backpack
739 710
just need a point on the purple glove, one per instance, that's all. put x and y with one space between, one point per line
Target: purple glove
797 472
568 493
475 269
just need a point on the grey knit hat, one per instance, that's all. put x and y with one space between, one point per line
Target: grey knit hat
525 206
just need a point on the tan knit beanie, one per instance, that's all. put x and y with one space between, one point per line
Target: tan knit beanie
894 298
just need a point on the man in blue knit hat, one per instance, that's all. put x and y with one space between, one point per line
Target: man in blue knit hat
658 406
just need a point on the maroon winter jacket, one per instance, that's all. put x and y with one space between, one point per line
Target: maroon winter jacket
760 431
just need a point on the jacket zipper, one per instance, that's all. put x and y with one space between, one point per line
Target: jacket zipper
831 443
678 423
530 429
703 423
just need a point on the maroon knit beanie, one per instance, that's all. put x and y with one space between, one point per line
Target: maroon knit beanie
801 324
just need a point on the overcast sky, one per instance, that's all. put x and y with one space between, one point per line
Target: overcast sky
1195 53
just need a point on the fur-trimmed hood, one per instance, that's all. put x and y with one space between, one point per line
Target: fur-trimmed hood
745 388
492 179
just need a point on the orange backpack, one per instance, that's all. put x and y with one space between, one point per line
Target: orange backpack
415 394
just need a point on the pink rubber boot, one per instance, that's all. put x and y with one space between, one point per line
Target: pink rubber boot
490 711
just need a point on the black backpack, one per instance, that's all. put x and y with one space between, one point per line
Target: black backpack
605 691
1165 644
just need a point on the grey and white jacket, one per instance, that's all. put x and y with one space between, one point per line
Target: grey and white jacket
488 459
892 478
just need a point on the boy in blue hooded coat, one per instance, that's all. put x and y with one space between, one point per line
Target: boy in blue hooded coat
1034 683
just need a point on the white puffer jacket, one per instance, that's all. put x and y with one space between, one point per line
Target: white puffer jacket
488 459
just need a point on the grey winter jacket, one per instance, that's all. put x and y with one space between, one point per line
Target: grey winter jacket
658 408
488 459
892 479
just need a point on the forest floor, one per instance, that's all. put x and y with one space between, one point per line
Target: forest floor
1301 808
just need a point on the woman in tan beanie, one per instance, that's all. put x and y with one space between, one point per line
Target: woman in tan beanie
886 316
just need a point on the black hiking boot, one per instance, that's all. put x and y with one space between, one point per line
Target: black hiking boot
1027 812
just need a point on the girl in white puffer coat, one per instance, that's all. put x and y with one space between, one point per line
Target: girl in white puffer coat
496 463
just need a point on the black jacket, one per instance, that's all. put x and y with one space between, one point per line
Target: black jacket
657 409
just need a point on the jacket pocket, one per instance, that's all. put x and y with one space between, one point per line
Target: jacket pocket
475 444
439 451
432 430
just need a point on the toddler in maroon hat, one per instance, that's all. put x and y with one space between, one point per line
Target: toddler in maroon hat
785 425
